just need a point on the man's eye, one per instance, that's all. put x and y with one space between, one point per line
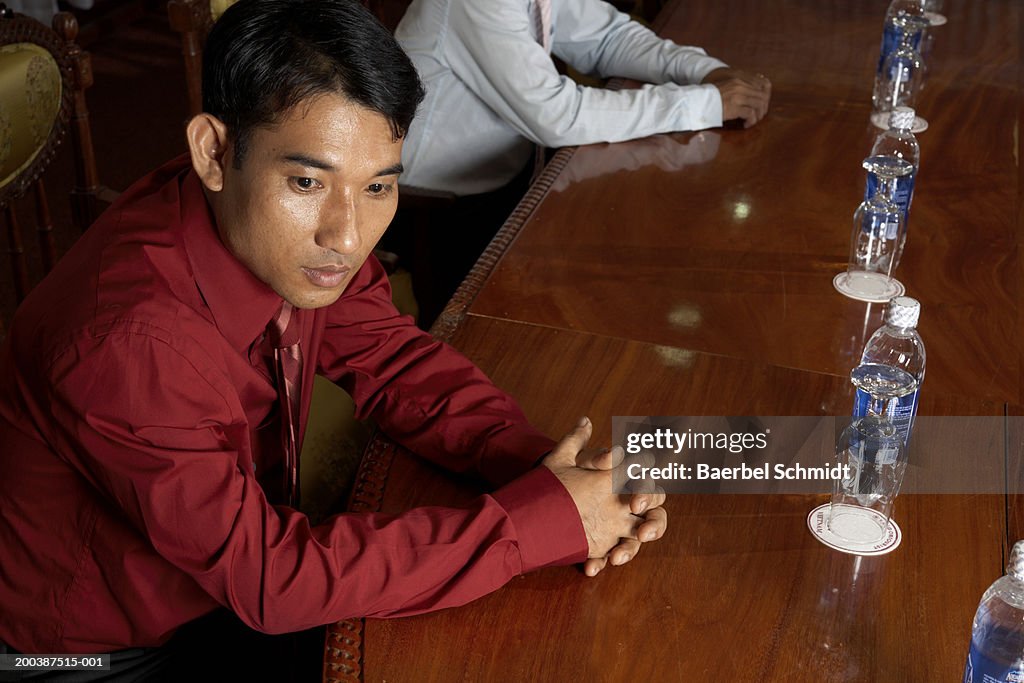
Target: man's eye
379 189
305 184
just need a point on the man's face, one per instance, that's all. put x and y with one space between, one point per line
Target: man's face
314 194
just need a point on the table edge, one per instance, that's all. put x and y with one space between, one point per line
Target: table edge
343 640
457 307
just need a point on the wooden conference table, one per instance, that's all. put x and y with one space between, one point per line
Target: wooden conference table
691 274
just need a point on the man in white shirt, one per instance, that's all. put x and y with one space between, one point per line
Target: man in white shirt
493 91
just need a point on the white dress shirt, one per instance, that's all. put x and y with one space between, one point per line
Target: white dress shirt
493 91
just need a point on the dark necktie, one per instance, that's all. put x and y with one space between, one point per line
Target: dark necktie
288 379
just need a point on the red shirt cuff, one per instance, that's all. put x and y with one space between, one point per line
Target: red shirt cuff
511 453
548 526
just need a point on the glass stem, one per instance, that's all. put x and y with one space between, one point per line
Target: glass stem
887 188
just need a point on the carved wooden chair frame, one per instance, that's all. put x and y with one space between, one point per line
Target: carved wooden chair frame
76 75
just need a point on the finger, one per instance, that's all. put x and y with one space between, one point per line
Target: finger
624 552
594 565
758 82
618 524
742 105
752 109
751 87
572 443
642 502
760 109
751 98
754 92
751 118
605 459
643 483
753 82
654 525
762 104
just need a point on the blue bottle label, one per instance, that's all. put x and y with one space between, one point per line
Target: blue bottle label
902 196
900 411
891 41
981 669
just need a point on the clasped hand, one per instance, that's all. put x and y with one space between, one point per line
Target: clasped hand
744 95
616 524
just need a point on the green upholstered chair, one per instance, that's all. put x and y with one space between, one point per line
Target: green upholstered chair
43 77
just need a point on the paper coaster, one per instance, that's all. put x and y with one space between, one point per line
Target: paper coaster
880 119
873 288
817 522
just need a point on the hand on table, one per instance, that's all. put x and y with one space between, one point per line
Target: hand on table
745 95
616 524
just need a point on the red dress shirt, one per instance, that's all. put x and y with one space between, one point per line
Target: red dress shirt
137 420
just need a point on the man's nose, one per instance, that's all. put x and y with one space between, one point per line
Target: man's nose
339 228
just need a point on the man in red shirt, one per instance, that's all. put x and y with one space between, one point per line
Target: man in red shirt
141 408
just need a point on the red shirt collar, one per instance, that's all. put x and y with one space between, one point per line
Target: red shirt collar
241 304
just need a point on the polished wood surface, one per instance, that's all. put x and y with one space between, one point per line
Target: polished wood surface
727 241
690 274
738 588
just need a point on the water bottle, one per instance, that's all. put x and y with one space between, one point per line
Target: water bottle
997 638
898 9
891 369
899 141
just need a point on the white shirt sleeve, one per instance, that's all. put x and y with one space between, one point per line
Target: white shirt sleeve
598 40
499 59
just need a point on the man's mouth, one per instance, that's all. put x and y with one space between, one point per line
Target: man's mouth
327 277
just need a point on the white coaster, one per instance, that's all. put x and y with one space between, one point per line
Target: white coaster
880 119
874 288
935 19
817 522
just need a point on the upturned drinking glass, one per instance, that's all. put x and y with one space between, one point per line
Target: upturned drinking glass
903 70
873 459
878 237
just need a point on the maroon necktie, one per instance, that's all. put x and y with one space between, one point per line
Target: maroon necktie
288 378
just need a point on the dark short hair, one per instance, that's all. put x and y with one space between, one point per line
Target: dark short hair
264 57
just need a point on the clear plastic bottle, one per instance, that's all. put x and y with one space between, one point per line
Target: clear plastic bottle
894 16
997 637
899 141
901 77
891 369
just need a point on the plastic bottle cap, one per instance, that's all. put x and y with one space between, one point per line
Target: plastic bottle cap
1015 567
903 311
902 118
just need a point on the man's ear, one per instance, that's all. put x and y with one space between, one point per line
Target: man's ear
208 144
